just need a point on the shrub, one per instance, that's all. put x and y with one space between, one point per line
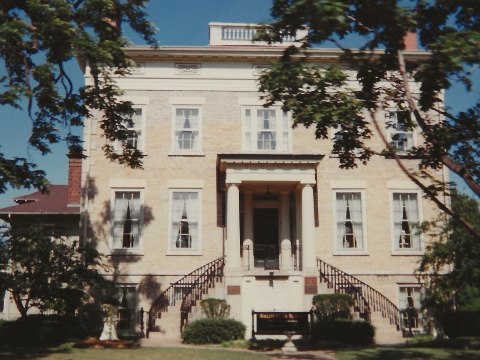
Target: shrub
461 323
344 331
38 330
215 308
213 331
332 306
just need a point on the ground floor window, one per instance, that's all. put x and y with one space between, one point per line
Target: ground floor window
3 294
127 298
410 298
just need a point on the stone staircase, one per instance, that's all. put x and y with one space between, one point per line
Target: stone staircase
171 311
369 304
389 334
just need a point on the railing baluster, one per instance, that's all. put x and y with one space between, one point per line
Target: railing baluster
365 297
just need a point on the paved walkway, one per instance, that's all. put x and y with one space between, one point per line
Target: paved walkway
277 355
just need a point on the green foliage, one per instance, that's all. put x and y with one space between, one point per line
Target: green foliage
213 331
454 260
344 331
37 40
461 323
215 308
38 330
332 306
47 270
321 97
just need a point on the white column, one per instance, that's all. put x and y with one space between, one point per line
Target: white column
248 230
308 229
233 227
285 244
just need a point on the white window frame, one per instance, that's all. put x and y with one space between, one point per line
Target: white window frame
405 251
141 129
350 251
392 129
171 250
418 307
174 150
137 250
249 125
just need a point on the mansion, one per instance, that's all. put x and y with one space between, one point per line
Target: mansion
236 204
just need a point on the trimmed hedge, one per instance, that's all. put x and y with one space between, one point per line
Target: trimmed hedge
38 330
351 332
213 331
461 323
332 306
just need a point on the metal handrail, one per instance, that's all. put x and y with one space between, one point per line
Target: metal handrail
375 301
187 283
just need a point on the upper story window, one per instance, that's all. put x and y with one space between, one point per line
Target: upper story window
399 136
185 220
127 220
349 221
134 126
406 219
266 130
187 131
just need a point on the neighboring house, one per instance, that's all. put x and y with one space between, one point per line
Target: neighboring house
226 178
59 208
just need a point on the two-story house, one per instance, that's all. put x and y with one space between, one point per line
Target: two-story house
234 203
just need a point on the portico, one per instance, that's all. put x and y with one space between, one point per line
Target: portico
270 212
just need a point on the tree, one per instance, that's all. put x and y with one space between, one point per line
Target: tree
321 97
46 270
451 264
37 39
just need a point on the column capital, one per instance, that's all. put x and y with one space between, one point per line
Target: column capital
237 184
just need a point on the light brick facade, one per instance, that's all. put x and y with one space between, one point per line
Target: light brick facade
221 82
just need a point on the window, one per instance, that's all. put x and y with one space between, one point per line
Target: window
127 300
185 220
410 306
2 300
187 131
349 221
400 138
134 127
127 220
266 130
405 221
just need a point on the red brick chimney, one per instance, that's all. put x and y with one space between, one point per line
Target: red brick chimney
410 41
74 179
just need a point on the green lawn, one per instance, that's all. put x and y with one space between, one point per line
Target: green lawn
66 352
408 353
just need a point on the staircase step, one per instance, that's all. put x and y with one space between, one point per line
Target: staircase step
386 333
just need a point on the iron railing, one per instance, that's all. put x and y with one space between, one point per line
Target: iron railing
191 286
365 297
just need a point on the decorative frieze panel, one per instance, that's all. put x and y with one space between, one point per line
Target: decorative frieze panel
260 69
188 68
138 69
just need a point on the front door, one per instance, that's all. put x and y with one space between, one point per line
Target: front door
265 238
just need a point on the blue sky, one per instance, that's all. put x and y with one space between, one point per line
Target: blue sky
180 22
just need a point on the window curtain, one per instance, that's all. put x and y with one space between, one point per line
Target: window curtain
126 201
355 209
266 127
187 129
190 202
411 207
